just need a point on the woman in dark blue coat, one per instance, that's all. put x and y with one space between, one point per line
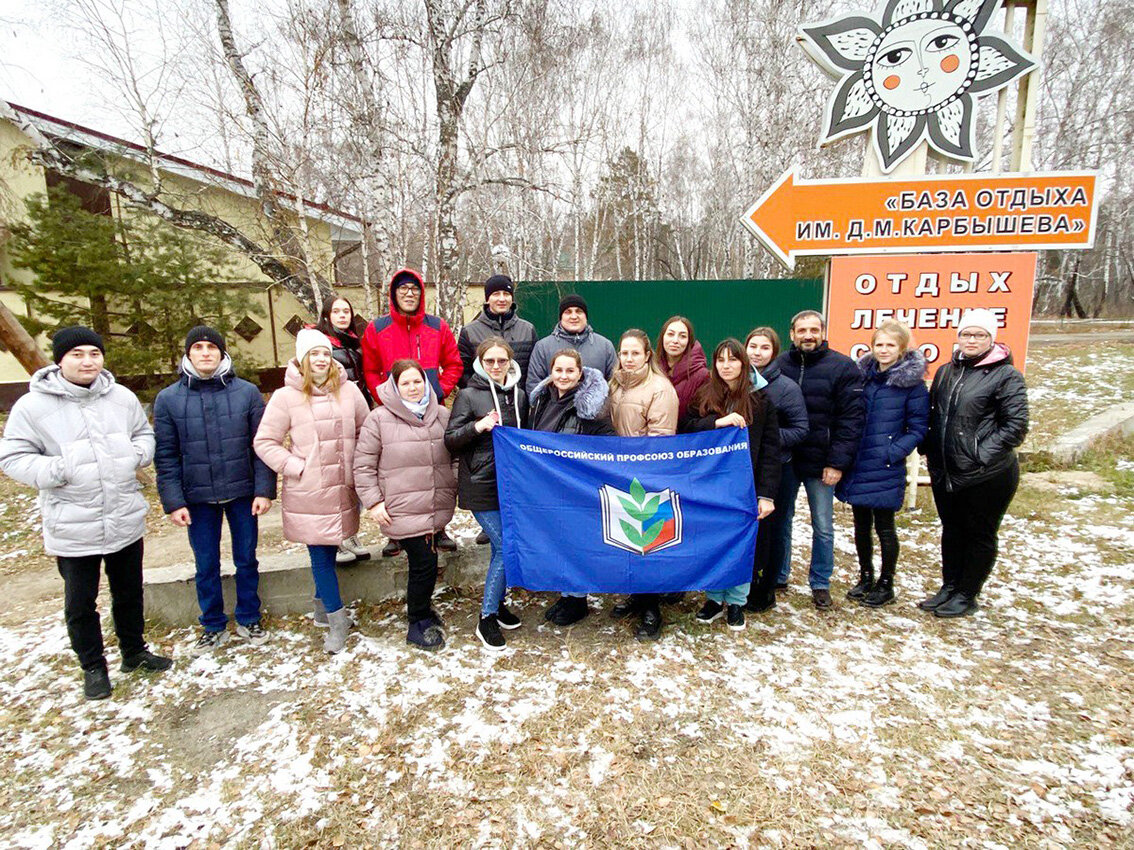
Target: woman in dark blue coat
897 417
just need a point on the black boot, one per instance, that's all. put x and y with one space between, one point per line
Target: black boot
939 598
96 683
650 626
865 583
881 594
957 605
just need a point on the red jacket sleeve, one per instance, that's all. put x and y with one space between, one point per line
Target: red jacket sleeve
451 365
371 360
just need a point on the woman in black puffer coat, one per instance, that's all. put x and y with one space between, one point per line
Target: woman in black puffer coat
978 415
571 400
492 397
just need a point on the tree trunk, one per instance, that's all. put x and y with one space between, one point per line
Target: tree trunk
22 345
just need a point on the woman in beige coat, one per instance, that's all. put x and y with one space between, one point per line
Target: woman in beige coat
407 482
321 412
643 403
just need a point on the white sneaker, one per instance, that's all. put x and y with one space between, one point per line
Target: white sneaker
207 642
253 633
351 544
345 556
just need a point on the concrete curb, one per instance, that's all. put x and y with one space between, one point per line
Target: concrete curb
1115 420
286 586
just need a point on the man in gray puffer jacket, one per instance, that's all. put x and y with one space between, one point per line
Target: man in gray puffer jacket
78 437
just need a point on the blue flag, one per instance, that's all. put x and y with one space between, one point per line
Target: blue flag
626 514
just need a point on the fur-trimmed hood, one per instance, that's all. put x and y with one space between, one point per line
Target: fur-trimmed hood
590 395
907 372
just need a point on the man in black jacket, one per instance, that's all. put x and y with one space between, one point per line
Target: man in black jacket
832 391
497 318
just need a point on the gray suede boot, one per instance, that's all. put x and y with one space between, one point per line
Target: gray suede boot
339 626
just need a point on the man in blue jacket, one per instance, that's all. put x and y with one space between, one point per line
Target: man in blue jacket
207 471
832 390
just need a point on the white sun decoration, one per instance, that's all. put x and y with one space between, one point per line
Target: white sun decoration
912 74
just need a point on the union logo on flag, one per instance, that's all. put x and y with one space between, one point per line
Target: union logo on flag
638 521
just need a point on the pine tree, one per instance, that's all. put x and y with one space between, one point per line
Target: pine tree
140 283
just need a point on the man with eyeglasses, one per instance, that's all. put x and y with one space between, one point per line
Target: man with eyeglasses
978 415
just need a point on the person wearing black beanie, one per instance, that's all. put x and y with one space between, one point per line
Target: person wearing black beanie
78 437
573 331
67 338
498 317
203 333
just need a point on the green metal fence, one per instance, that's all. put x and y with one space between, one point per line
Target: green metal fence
717 308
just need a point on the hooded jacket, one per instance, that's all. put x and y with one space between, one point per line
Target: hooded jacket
318 501
402 461
978 415
518 333
689 375
79 446
643 404
423 337
791 410
586 406
832 391
596 350
476 459
897 416
204 429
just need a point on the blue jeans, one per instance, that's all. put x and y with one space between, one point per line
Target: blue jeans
326 579
821 501
204 539
730 596
494 586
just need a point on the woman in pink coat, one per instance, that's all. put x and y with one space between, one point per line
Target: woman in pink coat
321 412
408 483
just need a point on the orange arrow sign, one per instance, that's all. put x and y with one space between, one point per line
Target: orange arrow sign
963 212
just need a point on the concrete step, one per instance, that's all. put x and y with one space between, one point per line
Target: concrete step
286 586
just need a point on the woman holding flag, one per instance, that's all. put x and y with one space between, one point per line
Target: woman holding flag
643 403
735 398
492 397
571 400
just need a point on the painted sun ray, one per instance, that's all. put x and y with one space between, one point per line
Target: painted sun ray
951 128
896 10
853 106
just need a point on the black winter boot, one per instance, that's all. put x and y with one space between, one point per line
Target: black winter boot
939 598
865 583
881 594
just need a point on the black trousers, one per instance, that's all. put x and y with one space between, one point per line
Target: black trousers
882 521
80 595
422 556
763 588
970 522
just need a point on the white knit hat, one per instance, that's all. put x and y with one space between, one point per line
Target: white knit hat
979 318
307 339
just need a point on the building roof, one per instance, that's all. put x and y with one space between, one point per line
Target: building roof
344 225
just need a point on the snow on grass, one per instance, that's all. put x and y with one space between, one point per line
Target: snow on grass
856 727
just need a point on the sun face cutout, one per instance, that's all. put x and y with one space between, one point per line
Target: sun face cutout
912 73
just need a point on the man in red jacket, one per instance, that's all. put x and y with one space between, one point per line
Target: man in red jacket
408 331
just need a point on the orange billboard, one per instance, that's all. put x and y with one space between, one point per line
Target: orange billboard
929 292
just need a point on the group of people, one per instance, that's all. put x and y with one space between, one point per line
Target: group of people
361 423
